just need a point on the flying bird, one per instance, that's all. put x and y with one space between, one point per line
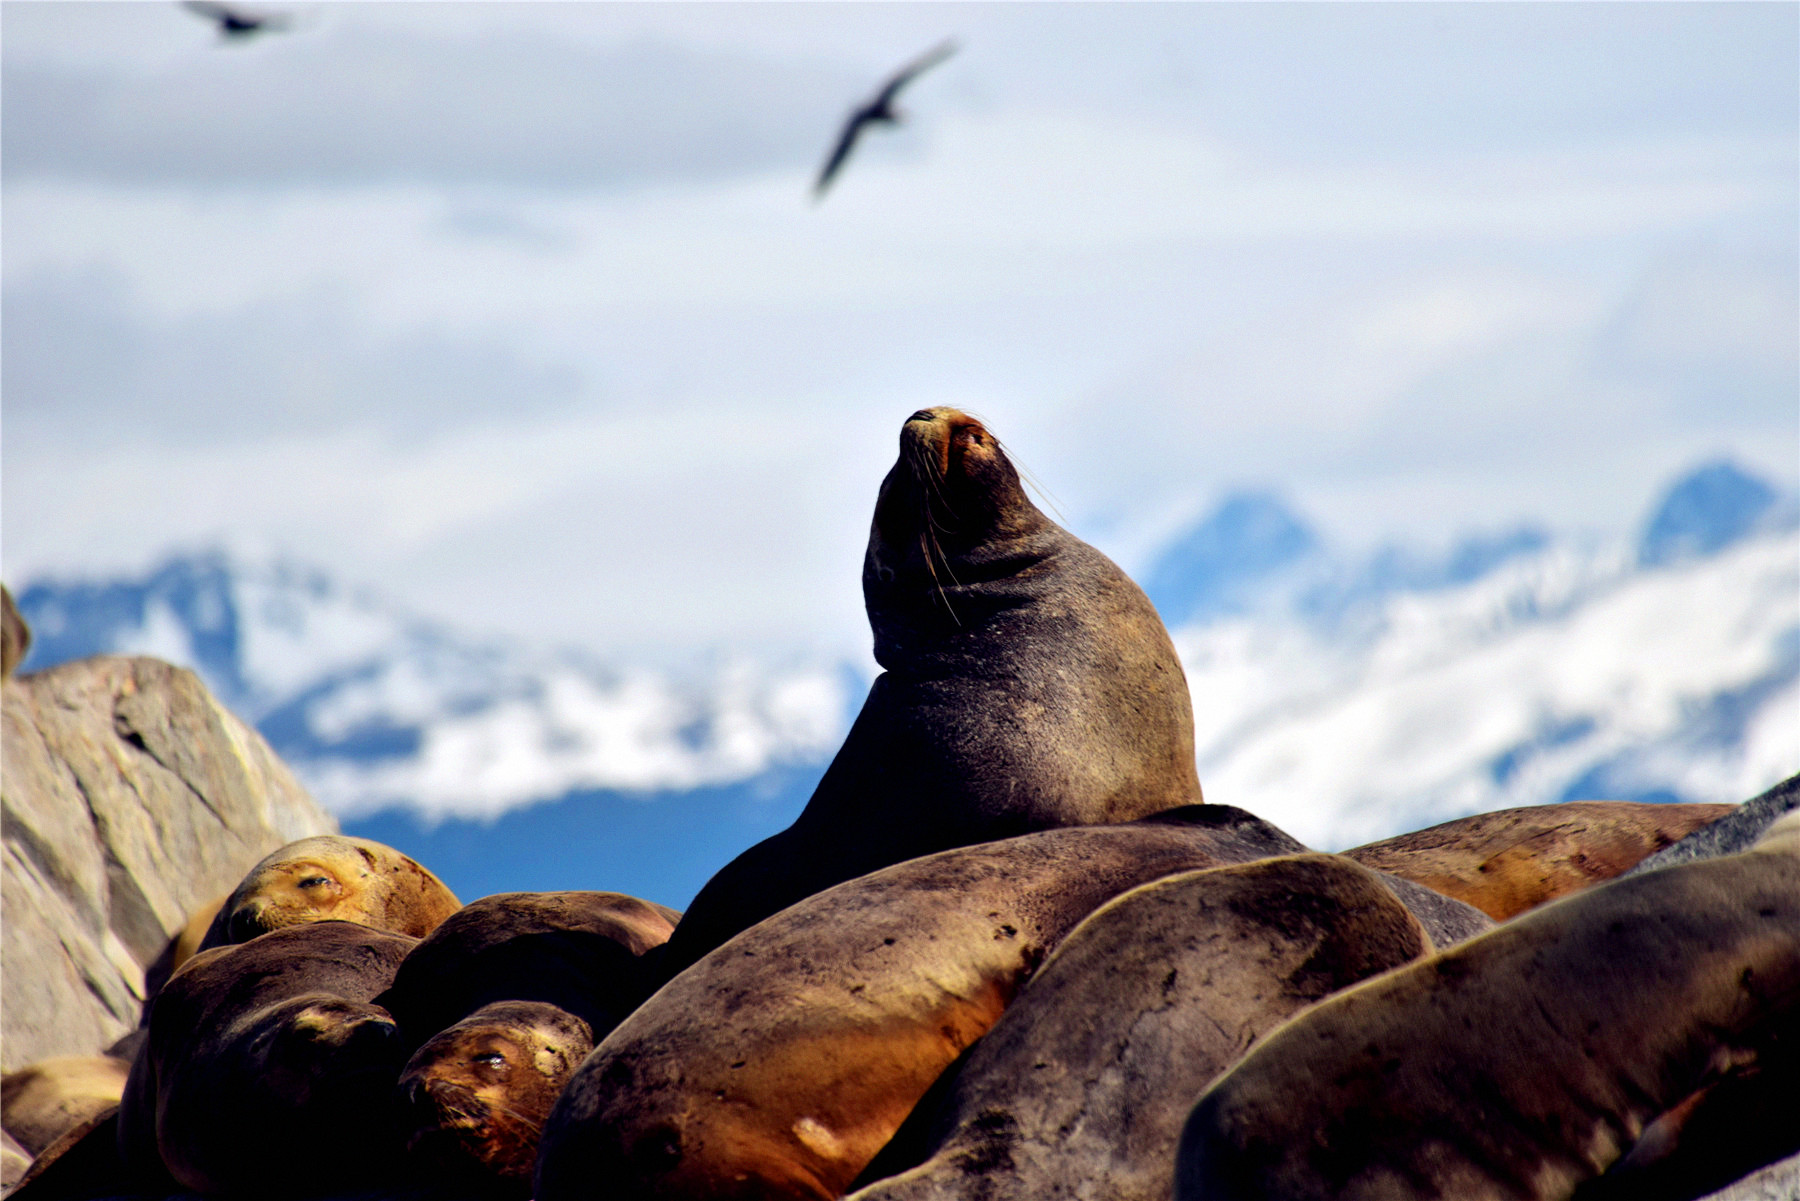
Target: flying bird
878 109
236 22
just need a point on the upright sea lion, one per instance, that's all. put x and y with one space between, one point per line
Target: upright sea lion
40 1101
333 878
1028 684
575 950
477 1095
1081 1088
267 1072
779 1064
1644 1024
1506 862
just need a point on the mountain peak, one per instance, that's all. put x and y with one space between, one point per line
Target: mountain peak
1703 512
1248 537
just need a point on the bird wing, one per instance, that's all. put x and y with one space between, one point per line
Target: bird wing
852 130
912 71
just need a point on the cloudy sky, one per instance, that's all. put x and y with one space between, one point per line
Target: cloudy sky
524 314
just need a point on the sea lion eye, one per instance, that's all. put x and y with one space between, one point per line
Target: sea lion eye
315 882
493 1059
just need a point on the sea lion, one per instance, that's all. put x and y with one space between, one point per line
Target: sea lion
1028 684
1506 862
15 635
1575 1040
267 1071
780 1063
1081 1088
578 951
40 1101
478 1094
84 1163
333 878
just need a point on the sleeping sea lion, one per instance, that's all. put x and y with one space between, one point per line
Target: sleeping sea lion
477 1095
267 1072
1642 1029
779 1064
41 1100
579 951
1080 1089
1028 684
1506 862
333 878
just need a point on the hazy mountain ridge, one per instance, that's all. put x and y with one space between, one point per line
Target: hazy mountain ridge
1343 698
376 708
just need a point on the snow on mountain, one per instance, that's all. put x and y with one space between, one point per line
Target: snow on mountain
1344 698
375 708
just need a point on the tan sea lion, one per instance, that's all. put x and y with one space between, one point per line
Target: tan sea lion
1643 1029
1081 1088
267 1072
779 1064
40 1101
1028 684
15 635
578 951
477 1095
1506 862
333 878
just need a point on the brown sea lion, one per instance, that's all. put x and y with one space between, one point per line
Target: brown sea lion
83 1163
1081 1088
779 1064
1506 862
267 1072
578 951
333 878
15 635
1028 684
477 1095
1644 1024
40 1101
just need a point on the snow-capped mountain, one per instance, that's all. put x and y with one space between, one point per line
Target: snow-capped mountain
375 708
1344 698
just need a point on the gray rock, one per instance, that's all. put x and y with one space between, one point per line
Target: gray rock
1446 920
1780 1181
1734 832
130 798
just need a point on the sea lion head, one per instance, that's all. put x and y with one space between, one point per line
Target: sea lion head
950 517
478 1094
327 878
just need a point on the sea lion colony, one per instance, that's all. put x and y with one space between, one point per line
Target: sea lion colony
1005 952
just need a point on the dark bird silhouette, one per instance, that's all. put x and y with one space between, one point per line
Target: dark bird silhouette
236 22
878 109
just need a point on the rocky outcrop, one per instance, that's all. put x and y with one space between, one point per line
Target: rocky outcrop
130 799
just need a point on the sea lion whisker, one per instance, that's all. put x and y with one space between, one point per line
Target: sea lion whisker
1037 485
